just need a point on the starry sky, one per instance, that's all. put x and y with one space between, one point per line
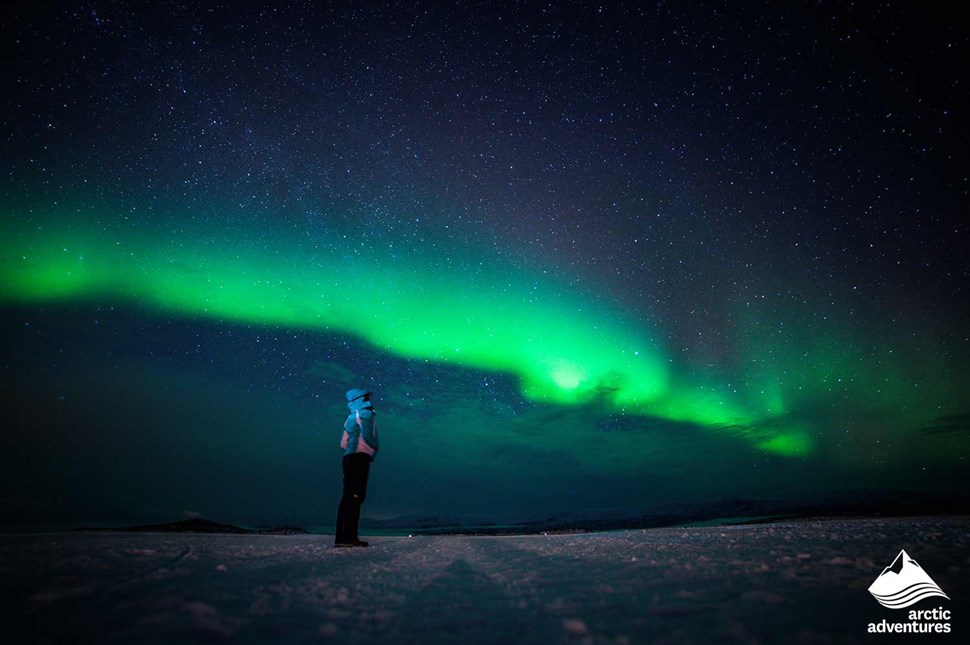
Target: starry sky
590 257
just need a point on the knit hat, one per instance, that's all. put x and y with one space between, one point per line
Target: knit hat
357 393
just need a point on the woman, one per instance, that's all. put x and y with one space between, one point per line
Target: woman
360 447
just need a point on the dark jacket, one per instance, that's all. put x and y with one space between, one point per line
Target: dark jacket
360 429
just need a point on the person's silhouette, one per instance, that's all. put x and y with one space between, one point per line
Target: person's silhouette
360 446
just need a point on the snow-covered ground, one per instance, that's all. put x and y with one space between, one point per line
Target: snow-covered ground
798 581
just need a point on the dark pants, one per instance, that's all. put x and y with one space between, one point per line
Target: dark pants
356 470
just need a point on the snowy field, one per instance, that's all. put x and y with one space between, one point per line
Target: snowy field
798 581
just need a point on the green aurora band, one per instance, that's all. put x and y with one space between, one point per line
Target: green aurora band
566 347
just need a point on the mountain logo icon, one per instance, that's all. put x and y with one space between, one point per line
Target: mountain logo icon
904 583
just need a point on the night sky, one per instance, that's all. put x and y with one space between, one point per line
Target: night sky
590 257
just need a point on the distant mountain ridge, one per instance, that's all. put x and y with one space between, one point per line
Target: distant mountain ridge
197 525
843 504
848 503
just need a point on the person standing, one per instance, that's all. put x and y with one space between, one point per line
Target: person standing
359 442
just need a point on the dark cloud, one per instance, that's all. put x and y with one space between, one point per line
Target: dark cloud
954 425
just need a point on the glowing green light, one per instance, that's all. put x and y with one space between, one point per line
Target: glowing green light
795 444
566 346
566 377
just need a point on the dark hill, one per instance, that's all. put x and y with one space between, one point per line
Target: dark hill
197 525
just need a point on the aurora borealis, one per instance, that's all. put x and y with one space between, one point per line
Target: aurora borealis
670 253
